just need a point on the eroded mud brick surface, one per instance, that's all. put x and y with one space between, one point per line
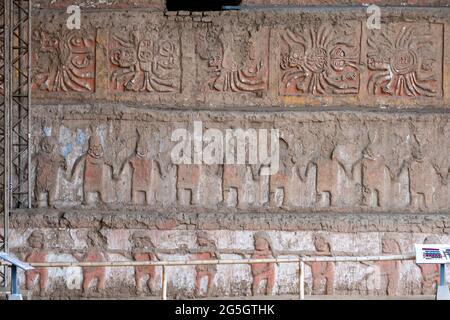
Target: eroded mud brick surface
364 147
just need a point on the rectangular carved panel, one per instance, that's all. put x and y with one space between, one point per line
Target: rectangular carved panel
63 60
318 60
232 59
144 60
405 60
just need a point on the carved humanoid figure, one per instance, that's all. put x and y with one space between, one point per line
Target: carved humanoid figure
423 181
389 270
36 241
430 272
327 179
93 162
96 246
143 250
374 177
142 180
188 182
281 179
322 272
262 271
206 251
48 162
234 178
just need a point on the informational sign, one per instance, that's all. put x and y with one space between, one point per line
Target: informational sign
432 253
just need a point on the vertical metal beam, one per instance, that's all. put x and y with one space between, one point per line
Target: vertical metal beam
20 103
6 133
15 94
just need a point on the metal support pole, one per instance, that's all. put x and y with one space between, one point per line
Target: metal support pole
302 279
164 283
6 132
442 275
14 280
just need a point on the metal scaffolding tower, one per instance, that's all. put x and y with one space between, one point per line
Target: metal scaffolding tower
15 93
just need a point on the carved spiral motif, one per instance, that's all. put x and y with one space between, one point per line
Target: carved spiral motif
403 62
316 59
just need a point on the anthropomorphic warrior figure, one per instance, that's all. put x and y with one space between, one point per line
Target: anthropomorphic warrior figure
96 246
389 270
48 162
430 272
327 183
206 251
374 178
142 180
322 272
423 182
93 162
262 271
188 181
36 241
143 250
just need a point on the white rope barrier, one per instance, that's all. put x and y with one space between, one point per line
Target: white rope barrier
165 264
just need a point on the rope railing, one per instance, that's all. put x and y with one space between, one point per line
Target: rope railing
174 263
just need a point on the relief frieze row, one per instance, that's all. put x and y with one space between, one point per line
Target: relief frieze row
274 65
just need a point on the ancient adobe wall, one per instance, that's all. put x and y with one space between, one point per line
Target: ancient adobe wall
364 148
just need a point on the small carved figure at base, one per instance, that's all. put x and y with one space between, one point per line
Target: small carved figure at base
206 251
36 241
262 271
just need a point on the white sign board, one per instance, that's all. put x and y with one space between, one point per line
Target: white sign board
432 253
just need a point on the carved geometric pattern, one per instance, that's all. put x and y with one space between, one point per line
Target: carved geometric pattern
405 60
320 60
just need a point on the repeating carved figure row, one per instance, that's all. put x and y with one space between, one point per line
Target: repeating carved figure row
400 59
324 169
385 273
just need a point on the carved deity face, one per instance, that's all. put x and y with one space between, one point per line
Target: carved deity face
95 147
215 60
321 244
141 241
48 145
36 240
124 57
202 240
141 148
262 244
338 59
145 55
389 246
296 55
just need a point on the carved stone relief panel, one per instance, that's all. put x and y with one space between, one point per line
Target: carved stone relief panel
320 59
325 161
144 59
63 60
405 60
232 58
